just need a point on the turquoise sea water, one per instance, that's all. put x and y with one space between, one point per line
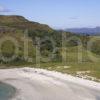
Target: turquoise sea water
6 91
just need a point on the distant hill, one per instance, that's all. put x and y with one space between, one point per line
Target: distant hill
16 25
91 31
19 22
12 18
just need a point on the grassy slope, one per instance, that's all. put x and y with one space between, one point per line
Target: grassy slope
86 65
74 66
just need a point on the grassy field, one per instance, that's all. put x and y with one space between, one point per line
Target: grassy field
86 69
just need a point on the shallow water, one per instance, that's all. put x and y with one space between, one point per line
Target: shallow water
6 91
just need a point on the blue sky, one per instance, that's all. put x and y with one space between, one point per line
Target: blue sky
56 13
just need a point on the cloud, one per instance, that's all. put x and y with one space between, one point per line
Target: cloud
3 9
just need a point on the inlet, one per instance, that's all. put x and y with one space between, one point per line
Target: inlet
6 91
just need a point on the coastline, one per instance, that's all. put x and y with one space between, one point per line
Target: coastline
37 84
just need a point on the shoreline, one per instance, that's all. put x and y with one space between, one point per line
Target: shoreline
38 83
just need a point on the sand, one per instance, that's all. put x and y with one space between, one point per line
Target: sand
39 84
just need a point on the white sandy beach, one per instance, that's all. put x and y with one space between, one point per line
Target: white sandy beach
39 84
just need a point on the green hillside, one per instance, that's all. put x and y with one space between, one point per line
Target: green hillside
16 27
